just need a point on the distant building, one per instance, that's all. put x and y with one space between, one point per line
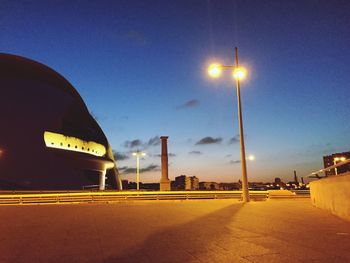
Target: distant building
334 158
194 183
209 186
256 186
229 186
150 186
182 182
125 184
278 180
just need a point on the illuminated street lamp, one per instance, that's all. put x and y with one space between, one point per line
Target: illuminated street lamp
239 73
138 154
338 159
251 158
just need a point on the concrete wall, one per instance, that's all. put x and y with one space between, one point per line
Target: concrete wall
333 194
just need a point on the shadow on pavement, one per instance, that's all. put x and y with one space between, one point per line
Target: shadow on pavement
182 243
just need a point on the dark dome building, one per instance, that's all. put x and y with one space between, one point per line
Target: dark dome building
48 139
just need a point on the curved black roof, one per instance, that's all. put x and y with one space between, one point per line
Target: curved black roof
14 66
35 99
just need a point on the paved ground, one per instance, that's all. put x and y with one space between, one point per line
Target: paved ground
174 231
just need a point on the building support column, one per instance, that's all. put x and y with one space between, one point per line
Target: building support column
102 184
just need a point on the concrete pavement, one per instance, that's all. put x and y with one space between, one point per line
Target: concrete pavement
174 231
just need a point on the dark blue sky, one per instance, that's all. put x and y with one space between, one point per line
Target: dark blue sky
140 66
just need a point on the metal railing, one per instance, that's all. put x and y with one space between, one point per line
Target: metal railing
316 173
106 196
65 197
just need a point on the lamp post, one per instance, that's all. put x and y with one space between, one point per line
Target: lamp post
138 154
239 73
338 159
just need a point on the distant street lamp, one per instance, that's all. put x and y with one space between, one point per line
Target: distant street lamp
251 158
138 154
239 73
338 159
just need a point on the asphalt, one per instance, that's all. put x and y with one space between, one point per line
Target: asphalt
173 231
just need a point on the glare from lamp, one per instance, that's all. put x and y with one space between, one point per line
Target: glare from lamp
215 70
251 157
239 73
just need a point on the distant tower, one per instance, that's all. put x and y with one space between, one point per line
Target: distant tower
164 180
296 177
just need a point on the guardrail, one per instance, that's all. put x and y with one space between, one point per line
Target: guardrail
305 193
49 197
95 197
316 173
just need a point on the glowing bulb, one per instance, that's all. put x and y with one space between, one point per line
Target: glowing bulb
138 154
240 73
251 157
214 70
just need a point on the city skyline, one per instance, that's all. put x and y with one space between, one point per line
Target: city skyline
141 69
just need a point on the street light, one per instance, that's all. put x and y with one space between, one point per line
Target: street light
338 159
251 158
138 154
239 73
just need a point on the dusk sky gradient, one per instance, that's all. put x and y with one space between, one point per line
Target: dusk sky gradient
140 67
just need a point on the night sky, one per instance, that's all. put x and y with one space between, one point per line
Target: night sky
140 66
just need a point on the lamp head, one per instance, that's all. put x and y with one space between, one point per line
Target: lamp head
215 70
239 73
251 157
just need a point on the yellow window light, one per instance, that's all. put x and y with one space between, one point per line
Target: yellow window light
68 143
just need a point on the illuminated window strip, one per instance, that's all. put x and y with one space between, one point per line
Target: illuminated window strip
63 142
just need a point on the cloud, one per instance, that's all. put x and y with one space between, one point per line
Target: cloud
151 167
195 152
122 168
129 170
154 141
133 143
169 154
136 37
234 139
235 161
209 140
228 155
189 104
118 156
